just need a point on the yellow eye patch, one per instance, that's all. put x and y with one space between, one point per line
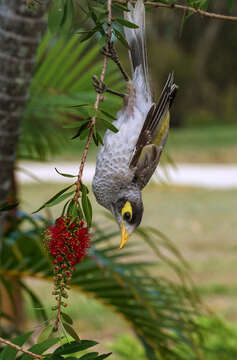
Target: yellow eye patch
127 209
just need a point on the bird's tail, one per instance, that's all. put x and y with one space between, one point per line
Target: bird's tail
137 43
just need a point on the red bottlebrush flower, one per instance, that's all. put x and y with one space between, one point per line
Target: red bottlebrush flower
67 242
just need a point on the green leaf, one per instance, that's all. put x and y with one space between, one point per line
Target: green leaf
103 356
126 23
67 318
121 38
54 198
95 137
80 131
120 7
56 15
45 333
74 346
67 22
89 356
75 124
100 139
86 206
109 125
80 212
6 206
72 210
65 175
40 348
64 208
9 353
85 188
100 10
79 105
89 34
71 331
84 134
59 199
106 113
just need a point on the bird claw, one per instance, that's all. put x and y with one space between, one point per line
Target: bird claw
99 86
110 53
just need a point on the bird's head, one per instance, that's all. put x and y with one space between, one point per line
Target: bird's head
128 211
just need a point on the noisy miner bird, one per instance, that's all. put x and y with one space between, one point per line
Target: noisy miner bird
128 158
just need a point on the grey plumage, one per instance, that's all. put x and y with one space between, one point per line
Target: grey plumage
128 158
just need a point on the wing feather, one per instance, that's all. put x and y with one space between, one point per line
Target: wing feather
153 135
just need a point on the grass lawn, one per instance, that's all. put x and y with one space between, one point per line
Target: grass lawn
201 223
213 144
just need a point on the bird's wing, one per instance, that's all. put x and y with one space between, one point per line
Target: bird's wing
153 136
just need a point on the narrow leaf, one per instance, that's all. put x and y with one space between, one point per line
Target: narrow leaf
120 7
86 206
121 38
74 346
56 14
75 124
6 206
45 333
71 331
103 356
100 139
67 23
89 356
54 197
126 23
67 318
40 348
65 175
109 125
83 128
106 113
59 199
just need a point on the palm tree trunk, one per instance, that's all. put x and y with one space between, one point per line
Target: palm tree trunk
20 33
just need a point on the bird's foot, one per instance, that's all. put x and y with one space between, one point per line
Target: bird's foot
100 87
111 53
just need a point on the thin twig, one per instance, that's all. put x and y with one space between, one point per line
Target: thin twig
58 313
19 348
96 105
184 7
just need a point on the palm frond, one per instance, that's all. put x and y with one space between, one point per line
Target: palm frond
62 79
161 312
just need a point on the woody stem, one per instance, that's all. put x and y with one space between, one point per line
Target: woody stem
19 348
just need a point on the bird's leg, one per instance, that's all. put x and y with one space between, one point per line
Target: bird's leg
112 54
100 87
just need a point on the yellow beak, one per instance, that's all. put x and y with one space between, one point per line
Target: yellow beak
124 236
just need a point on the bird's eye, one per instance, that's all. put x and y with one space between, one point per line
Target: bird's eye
127 216
127 211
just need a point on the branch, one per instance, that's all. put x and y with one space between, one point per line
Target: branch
19 348
96 105
185 8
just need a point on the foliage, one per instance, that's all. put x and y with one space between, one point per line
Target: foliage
62 83
126 347
64 347
218 337
161 312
